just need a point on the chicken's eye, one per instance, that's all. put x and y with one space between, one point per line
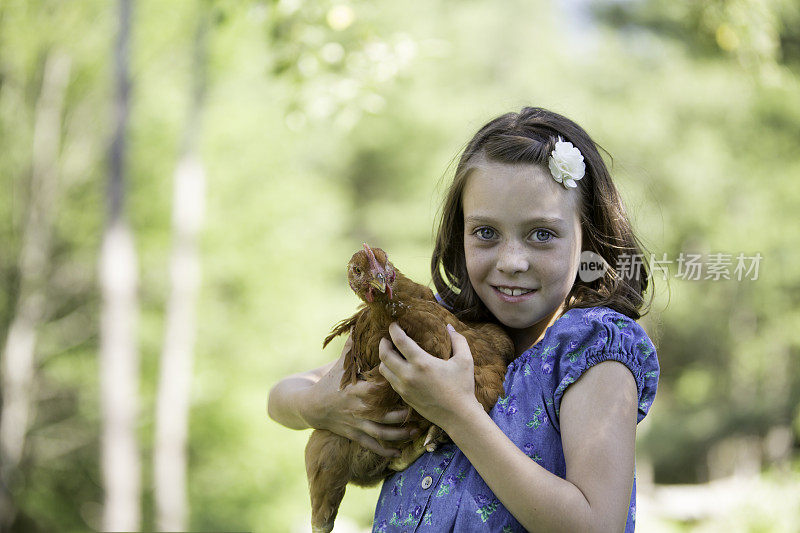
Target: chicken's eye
356 271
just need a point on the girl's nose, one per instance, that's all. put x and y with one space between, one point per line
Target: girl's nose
512 259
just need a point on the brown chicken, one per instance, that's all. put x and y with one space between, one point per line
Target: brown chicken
333 461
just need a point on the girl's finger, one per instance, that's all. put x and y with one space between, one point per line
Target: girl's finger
362 388
390 376
389 356
394 417
371 444
386 433
407 346
460 345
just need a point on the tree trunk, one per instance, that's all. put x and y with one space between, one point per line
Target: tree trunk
174 386
18 354
119 359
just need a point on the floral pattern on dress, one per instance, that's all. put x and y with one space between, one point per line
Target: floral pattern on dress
507 404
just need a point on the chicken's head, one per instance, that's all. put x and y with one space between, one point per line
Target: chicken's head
370 274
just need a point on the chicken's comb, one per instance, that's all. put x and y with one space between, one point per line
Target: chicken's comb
371 256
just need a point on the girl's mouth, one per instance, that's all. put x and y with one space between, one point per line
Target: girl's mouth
513 294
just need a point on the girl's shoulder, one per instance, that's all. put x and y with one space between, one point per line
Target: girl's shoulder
601 328
584 337
590 317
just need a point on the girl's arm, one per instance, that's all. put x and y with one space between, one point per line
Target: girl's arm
312 399
291 401
598 429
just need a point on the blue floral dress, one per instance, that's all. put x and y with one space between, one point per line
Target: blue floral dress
441 491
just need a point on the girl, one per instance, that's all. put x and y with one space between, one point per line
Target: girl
556 453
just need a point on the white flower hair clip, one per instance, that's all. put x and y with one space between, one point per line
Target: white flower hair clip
566 164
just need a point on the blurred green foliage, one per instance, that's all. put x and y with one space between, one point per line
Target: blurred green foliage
330 123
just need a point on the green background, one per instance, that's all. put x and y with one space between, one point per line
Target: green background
330 123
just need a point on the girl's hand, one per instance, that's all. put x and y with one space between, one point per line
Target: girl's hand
344 412
441 391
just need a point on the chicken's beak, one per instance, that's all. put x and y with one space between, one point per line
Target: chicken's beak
379 282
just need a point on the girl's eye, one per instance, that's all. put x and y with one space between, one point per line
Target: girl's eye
542 235
484 233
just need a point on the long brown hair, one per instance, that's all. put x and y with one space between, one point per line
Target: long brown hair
528 137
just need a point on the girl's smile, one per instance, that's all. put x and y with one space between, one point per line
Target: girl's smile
522 241
513 294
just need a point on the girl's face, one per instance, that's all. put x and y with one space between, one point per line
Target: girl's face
522 241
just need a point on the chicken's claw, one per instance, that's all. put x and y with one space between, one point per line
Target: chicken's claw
430 439
412 452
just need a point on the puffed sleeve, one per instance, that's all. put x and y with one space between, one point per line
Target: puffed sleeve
583 338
